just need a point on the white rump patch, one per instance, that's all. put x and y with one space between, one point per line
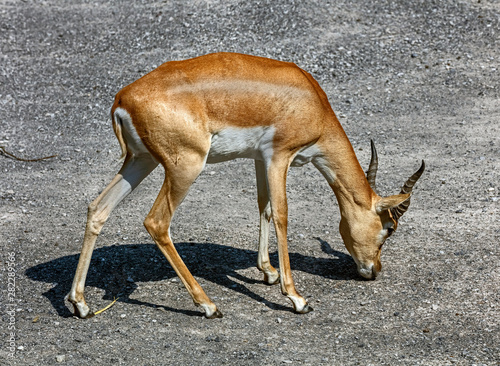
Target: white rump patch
132 139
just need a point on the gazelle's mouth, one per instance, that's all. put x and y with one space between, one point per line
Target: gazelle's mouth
369 272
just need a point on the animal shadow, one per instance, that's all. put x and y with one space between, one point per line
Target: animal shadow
116 269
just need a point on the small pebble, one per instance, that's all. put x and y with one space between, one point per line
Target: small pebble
61 358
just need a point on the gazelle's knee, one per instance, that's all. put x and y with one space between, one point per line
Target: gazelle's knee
150 224
96 218
156 227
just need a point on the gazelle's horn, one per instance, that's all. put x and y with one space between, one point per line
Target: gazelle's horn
371 174
398 211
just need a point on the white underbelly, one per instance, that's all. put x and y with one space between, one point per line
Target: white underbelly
251 143
232 143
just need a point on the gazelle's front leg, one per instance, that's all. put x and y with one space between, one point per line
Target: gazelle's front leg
276 174
134 170
271 275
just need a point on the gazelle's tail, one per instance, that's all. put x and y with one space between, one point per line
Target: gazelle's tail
118 128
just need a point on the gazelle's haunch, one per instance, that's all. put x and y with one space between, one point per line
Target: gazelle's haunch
224 106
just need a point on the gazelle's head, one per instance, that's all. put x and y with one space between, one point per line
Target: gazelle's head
364 231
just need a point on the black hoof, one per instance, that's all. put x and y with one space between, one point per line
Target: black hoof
77 313
275 282
215 315
307 309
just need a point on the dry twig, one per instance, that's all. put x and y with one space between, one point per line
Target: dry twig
106 308
6 153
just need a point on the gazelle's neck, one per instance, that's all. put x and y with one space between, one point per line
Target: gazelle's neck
340 167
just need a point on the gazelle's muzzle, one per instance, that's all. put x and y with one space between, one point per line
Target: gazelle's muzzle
367 271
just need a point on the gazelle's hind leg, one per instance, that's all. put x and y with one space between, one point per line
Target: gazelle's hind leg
133 171
178 178
271 275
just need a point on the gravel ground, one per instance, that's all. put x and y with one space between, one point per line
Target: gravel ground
420 77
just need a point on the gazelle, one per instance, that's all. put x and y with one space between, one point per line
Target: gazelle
224 106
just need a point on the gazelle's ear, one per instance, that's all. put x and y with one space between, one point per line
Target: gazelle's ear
386 203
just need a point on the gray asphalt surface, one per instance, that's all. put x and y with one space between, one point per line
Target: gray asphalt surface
421 78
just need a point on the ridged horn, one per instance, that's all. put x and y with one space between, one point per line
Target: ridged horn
371 174
398 211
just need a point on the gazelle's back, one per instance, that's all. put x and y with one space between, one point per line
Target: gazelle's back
227 89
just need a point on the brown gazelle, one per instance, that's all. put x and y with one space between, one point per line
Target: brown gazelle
224 106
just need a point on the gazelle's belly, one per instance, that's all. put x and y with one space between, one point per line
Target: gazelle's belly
252 143
233 142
